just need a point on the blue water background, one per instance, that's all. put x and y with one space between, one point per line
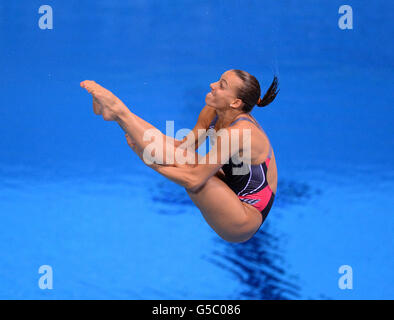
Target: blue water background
75 197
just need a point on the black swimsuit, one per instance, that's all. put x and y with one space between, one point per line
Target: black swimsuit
253 187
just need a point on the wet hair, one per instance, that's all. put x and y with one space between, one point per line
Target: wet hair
250 92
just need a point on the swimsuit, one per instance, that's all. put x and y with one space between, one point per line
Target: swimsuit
252 187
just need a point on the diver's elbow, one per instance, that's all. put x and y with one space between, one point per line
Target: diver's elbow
194 185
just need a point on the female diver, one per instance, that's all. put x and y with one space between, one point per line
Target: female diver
234 205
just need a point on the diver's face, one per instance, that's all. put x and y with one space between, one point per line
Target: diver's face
224 91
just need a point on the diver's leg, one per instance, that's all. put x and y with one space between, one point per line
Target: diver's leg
112 108
232 220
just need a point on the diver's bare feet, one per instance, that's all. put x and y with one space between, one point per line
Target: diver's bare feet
96 107
104 101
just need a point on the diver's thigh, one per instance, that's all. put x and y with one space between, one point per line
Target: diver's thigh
223 210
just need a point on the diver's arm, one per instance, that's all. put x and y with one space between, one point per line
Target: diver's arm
186 176
198 134
194 177
180 175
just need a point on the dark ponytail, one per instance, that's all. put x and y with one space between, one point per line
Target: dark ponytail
270 94
250 92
